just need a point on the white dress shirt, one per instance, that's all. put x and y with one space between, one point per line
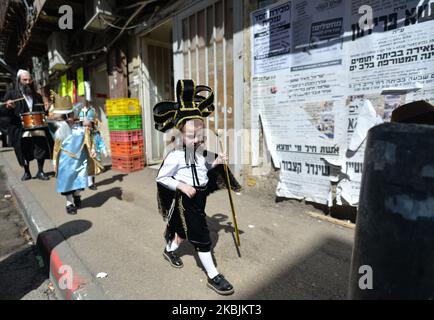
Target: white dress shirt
176 170
29 100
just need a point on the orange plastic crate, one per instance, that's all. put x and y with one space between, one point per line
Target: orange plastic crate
124 149
128 164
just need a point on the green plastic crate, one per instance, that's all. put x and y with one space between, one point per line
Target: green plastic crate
119 123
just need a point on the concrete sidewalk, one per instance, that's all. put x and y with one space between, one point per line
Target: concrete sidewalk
285 253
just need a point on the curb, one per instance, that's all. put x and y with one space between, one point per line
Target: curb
64 264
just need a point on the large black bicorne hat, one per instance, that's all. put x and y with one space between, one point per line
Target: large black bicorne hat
189 105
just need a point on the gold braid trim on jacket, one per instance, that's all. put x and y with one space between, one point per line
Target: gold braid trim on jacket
56 153
94 166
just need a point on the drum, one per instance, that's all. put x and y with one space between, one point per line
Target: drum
34 120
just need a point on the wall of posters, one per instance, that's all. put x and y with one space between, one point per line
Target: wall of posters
348 66
389 62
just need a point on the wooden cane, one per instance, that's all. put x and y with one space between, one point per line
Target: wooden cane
228 182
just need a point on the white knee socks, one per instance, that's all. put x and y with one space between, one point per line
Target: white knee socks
172 246
69 200
208 264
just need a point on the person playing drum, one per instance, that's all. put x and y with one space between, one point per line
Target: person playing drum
28 144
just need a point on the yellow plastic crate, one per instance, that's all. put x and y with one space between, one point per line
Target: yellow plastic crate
123 107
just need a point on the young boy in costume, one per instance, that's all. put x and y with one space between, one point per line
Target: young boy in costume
184 179
87 117
72 155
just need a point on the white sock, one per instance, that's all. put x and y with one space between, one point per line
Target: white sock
90 180
69 200
172 246
77 193
208 264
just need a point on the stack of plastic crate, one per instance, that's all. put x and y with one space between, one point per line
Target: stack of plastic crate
126 136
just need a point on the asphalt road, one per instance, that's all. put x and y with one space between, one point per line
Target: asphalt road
22 274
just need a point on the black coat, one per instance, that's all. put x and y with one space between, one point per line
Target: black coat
5 120
15 125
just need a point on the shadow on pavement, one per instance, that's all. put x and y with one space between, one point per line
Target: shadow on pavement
117 177
72 228
216 224
321 274
20 273
220 222
99 198
51 238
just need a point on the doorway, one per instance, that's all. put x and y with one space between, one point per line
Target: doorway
158 84
99 88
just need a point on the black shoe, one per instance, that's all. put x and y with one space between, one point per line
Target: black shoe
77 201
173 259
42 176
26 176
71 209
220 285
92 187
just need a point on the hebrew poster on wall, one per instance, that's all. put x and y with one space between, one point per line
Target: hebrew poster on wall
351 63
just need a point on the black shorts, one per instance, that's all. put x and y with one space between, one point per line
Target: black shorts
189 220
